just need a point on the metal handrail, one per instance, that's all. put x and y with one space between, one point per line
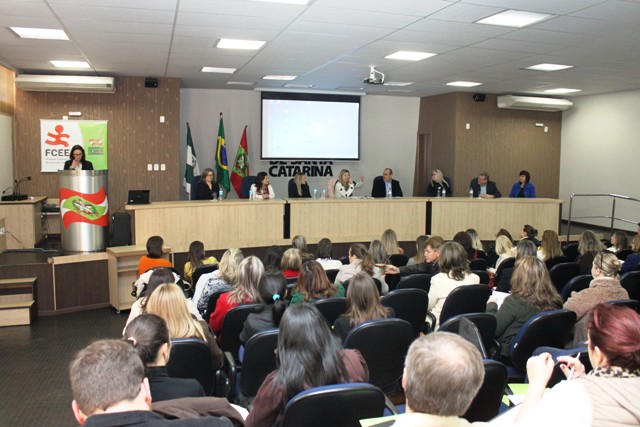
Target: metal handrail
613 218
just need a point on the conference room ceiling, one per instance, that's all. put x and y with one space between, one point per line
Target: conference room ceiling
330 44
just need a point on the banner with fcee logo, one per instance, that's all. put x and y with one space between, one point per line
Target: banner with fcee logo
57 137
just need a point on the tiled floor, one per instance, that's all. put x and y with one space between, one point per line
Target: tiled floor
34 382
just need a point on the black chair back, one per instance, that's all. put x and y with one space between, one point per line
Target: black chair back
342 405
486 324
631 282
465 299
194 187
383 343
560 274
331 274
415 281
232 325
483 275
409 304
331 308
576 284
247 182
631 303
259 360
200 270
192 358
486 404
345 285
507 263
399 260
560 259
546 329
478 264
571 251
623 254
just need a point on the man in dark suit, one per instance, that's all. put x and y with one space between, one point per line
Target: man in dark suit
382 184
484 188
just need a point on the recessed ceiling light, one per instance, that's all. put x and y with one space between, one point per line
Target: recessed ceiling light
514 18
40 33
241 83
298 86
240 44
218 70
276 77
464 84
562 90
548 67
300 2
407 55
400 90
398 83
71 64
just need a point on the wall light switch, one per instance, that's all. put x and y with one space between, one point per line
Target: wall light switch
163 167
467 126
546 129
156 167
149 167
161 119
65 117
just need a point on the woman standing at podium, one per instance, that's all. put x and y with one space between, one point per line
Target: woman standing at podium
77 161
207 188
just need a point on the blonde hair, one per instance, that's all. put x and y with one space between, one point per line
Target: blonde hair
476 243
250 271
229 264
440 177
297 179
550 245
345 185
531 283
607 263
390 242
635 244
504 246
168 302
589 243
291 259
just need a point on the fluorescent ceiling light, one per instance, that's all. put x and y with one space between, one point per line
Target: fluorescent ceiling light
463 84
548 67
276 77
398 83
298 86
40 33
300 2
407 55
71 64
241 83
240 44
561 90
400 90
218 70
514 18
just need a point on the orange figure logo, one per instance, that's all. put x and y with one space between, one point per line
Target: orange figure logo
58 138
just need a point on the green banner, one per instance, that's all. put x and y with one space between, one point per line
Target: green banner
94 141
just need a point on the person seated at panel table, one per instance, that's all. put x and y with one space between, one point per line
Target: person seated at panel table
438 185
154 255
345 187
261 188
384 184
77 160
484 188
207 188
524 187
298 186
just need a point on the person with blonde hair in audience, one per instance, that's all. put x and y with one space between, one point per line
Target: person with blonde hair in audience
358 261
313 284
588 246
244 291
363 301
476 243
454 272
619 242
504 250
632 262
299 242
290 263
379 258
531 293
158 277
524 248
550 246
168 302
390 242
345 186
195 259
418 258
324 255
220 280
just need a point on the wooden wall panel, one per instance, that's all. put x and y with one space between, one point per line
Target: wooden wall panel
136 136
7 91
82 284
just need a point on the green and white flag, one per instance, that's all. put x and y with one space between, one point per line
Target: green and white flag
192 169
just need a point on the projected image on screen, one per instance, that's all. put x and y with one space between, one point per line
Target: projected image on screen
310 126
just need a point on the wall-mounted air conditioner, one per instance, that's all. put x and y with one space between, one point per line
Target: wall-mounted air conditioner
534 103
87 84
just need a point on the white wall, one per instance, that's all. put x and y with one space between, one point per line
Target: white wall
600 153
389 127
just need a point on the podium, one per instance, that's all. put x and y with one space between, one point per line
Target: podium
84 210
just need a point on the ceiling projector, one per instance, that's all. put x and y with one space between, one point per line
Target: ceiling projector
375 77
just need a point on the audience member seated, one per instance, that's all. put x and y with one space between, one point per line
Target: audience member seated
168 302
379 259
529 233
298 186
313 284
454 272
438 185
632 262
524 248
244 291
504 249
619 242
324 255
344 186
291 262
220 280
384 184
466 242
390 242
308 355
604 287
442 375
110 389
418 258
357 255
153 258
484 188
608 394
550 246
363 301
261 188
523 187
476 244
492 257
195 259
531 293
273 257
588 247
299 242
430 264
158 277
149 335
272 288
207 188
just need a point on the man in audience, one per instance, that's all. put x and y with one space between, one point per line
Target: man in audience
442 375
430 264
484 188
385 183
109 389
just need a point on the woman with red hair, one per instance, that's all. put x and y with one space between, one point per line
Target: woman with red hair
608 394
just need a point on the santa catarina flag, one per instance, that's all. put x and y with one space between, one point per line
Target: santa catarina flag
241 166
